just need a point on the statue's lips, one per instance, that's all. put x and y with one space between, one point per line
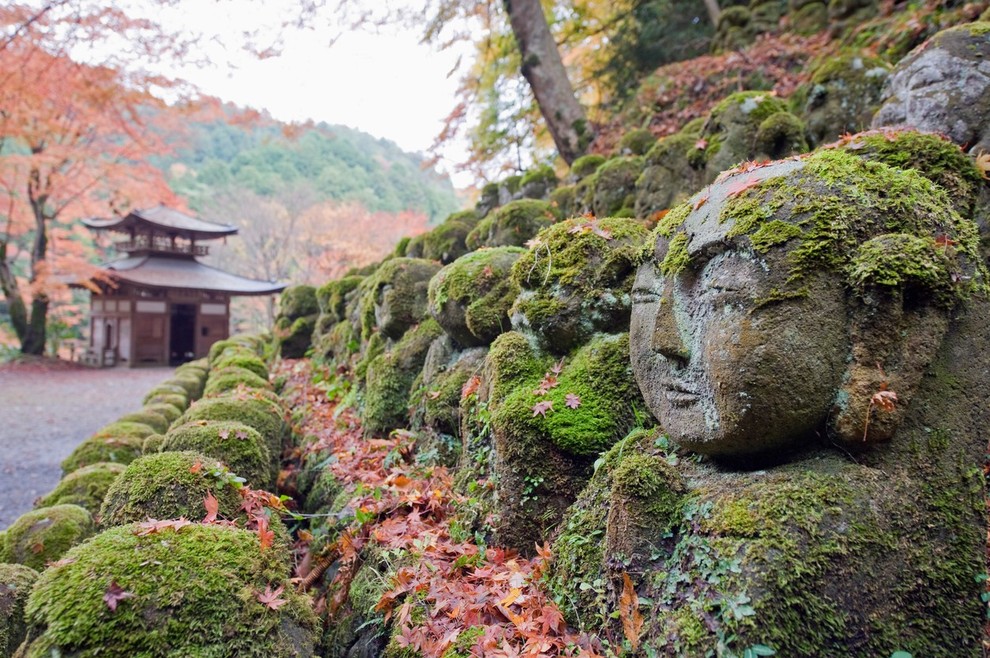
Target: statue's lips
678 394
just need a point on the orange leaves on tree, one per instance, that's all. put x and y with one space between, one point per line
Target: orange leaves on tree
632 619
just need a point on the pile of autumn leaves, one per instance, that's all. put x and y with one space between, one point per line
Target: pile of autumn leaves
448 586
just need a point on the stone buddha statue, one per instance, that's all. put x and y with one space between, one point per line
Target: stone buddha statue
811 336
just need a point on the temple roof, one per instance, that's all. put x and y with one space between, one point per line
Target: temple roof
164 272
163 220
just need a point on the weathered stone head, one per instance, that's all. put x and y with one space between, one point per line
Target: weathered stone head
944 86
800 300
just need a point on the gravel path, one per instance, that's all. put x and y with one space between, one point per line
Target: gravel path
47 409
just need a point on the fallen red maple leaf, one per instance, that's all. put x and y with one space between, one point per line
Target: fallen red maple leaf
115 594
212 506
541 408
151 526
572 401
269 598
197 467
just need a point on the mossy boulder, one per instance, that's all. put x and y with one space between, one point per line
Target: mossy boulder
842 96
733 31
297 302
169 485
229 347
238 446
257 413
153 444
157 396
441 398
94 450
614 185
564 201
156 421
233 378
576 279
191 382
549 420
943 86
512 225
252 363
446 242
668 177
42 535
166 409
636 142
209 579
123 430
395 297
729 135
332 296
538 182
586 165
390 377
294 337
16 581
85 487
471 297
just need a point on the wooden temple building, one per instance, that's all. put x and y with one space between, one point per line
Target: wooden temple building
159 305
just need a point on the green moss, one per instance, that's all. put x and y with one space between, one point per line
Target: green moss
94 450
155 421
899 260
390 377
614 183
169 485
332 296
773 233
207 577
841 202
252 363
780 135
471 297
123 430
177 400
512 225
466 644
637 141
231 378
564 200
16 581
979 29
600 376
236 445
168 410
677 257
394 298
259 414
298 301
294 336
587 165
191 382
41 536
542 175
85 487
153 444
228 347
758 105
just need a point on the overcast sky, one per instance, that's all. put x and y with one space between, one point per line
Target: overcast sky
384 84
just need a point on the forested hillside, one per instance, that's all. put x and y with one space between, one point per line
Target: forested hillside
333 163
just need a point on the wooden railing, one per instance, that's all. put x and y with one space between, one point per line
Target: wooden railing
163 246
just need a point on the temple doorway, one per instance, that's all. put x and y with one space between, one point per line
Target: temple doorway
182 334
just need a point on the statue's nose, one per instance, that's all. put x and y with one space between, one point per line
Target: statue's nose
666 335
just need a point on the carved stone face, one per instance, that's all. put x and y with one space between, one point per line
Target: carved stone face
727 367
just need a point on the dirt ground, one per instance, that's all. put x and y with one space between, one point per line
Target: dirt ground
46 409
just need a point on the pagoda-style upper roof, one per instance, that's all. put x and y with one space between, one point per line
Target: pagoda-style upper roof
163 220
155 271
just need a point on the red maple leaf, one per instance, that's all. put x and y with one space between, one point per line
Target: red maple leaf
242 435
701 144
151 526
197 467
557 367
572 401
740 185
212 507
269 598
224 434
470 386
541 408
264 534
115 594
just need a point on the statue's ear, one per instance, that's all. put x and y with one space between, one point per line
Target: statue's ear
893 339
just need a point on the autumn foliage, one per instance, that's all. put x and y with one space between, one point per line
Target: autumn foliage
452 582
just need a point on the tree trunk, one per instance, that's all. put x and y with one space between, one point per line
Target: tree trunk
713 11
545 73
12 293
33 341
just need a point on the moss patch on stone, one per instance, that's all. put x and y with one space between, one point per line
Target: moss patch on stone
394 298
259 414
586 165
615 185
471 297
16 581
240 447
230 378
94 450
252 363
85 487
158 422
512 225
43 535
390 377
207 578
169 485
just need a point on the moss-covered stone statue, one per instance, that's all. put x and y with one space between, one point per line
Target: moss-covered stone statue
298 311
816 330
944 86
